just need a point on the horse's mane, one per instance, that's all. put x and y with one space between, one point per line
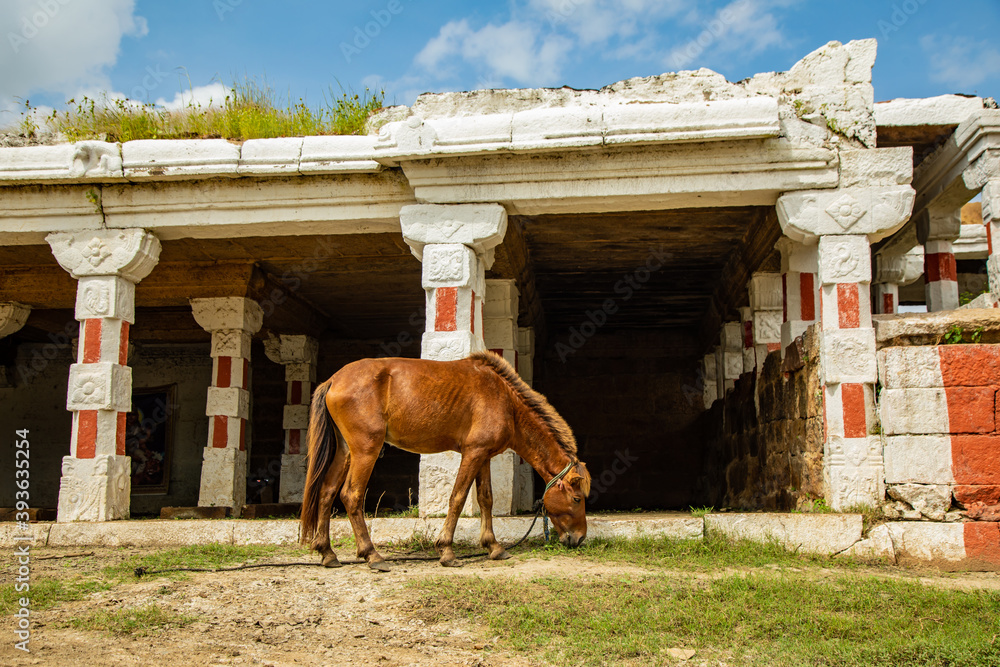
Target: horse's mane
532 400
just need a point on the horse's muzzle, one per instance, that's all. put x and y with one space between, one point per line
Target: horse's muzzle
571 540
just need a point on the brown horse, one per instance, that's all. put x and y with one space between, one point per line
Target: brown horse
478 407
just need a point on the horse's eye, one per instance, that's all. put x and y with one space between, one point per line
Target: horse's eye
576 499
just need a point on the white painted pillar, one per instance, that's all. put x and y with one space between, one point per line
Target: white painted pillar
799 289
97 476
298 355
767 303
991 218
937 229
455 243
891 273
500 335
844 222
232 322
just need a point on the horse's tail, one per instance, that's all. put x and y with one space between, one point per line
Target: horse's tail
322 447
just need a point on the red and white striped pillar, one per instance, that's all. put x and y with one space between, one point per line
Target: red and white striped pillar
799 289
937 229
455 244
729 357
298 355
232 322
97 477
843 222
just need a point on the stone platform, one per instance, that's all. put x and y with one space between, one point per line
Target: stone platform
956 546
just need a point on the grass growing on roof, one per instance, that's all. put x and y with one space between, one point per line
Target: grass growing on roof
251 110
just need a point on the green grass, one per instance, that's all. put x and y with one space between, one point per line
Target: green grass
208 556
701 512
753 619
136 622
252 110
713 552
45 593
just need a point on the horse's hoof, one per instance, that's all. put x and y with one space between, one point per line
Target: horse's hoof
380 566
331 561
503 555
451 563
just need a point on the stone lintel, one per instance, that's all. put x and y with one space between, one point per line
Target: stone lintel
289 349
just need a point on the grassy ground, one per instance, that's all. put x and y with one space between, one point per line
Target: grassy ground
252 110
739 603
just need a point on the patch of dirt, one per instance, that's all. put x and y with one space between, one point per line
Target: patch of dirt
309 615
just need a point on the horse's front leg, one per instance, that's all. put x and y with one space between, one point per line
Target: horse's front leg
467 471
484 494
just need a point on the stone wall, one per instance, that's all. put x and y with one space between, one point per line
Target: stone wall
764 440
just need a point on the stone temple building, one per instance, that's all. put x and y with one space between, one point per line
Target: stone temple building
704 277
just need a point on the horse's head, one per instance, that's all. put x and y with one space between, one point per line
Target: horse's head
565 503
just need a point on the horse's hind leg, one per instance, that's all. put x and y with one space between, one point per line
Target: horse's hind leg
484 494
364 453
331 485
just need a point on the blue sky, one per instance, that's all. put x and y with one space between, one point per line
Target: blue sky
155 50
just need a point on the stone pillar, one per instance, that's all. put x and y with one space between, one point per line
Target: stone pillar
891 273
844 222
526 354
97 476
232 321
525 368
455 243
937 229
298 355
749 353
991 218
709 370
767 305
500 336
729 357
799 289
12 318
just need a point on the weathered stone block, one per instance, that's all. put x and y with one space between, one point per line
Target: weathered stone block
105 297
228 401
223 478
844 259
808 533
931 500
916 411
920 459
941 544
910 367
849 355
100 386
95 489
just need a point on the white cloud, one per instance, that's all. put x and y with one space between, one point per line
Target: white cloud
512 50
960 62
744 27
212 95
61 46
597 21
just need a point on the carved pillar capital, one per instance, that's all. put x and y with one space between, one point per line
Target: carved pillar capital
875 212
12 317
127 253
